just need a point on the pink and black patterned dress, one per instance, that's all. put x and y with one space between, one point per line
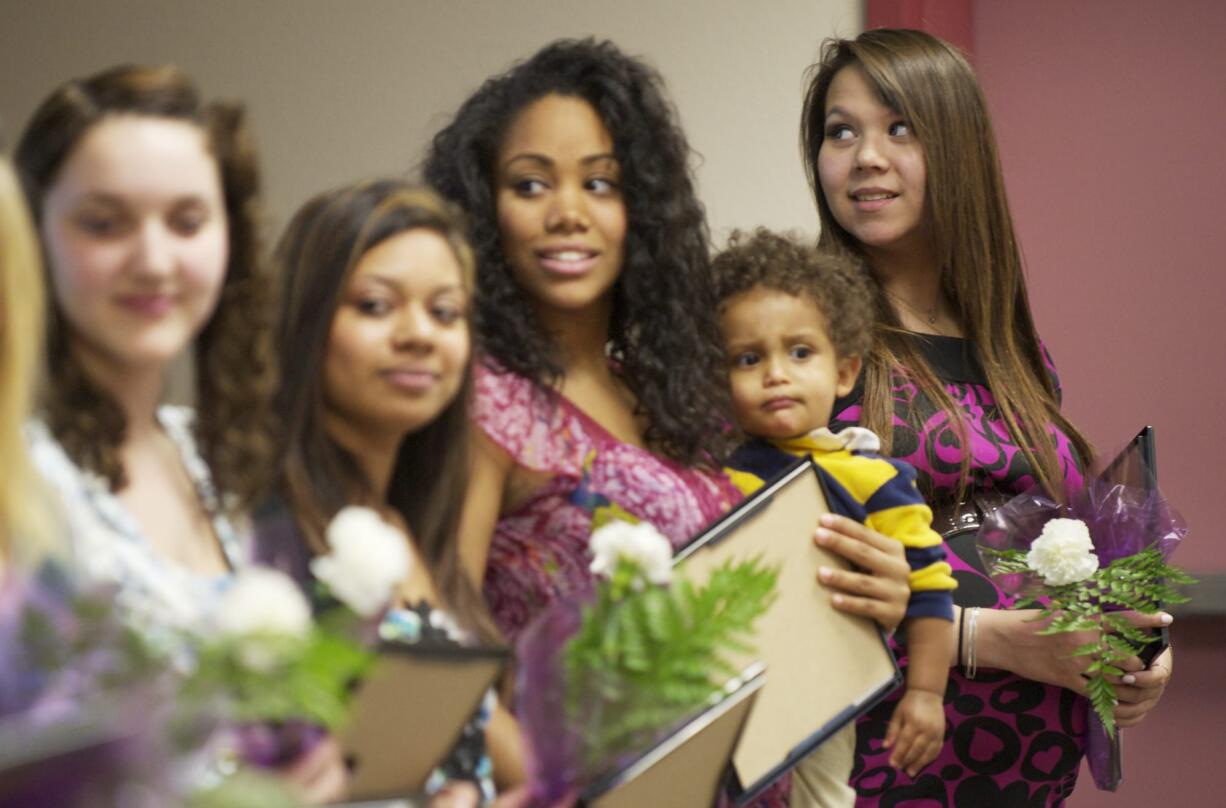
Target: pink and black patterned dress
540 553
1009 741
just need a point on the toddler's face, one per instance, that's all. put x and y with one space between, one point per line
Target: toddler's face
784 371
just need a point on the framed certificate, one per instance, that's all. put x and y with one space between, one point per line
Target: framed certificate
825 667
688 766
409 712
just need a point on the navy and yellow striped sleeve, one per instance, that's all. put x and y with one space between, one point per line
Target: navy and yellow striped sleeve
897 509
890 503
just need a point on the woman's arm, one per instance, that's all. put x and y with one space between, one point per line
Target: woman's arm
1009 639
505 745
879 587
319 776
488 475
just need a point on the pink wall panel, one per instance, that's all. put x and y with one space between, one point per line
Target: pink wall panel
951 20
1111 117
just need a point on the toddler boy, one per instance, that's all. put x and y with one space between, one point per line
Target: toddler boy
795 324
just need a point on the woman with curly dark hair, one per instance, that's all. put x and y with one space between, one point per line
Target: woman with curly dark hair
146 201
602 387
600 381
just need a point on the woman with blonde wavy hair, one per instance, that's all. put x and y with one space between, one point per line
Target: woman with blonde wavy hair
21 322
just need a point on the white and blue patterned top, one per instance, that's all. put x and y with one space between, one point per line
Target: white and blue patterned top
159 597
469 759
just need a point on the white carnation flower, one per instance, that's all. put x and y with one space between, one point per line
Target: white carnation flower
641 544
1063 552
368 561
263 601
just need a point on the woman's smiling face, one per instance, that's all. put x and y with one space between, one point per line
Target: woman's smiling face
872 168
399 344
137 239
561 215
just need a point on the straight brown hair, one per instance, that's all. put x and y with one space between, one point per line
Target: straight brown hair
931 85
317 477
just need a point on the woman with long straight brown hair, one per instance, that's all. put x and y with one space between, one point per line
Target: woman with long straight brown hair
374 344
903 164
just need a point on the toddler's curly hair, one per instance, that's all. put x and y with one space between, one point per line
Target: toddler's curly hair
838 285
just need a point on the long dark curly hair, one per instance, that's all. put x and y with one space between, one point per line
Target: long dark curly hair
316 476
233 371
664 328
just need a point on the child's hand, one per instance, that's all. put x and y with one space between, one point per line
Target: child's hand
916 731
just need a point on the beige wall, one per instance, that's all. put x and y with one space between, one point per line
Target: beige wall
342 90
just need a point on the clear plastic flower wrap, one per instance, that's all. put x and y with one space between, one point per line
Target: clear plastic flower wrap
602 677
85 705
1133 530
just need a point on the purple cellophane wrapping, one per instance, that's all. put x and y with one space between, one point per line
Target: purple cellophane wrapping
540 703
1123 520
98 738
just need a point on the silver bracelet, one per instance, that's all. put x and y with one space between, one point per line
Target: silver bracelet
972 658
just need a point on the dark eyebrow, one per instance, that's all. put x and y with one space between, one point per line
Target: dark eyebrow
543 160
397 286
117 200
743 344
101 198
381 280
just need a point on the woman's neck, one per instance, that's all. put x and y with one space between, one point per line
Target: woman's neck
912 285
136 390
580 338
374 451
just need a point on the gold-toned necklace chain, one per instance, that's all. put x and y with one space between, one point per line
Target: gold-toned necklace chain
930 316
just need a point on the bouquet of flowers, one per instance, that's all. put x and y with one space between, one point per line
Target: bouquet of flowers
84 703
282 679
92 714
601 679
1082 564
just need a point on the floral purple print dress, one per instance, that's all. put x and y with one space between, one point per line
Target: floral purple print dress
540 553
1009 741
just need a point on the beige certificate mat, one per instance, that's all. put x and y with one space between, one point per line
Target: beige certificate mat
825 667
687 767
410 710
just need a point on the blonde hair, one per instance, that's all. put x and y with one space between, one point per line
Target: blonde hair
929 83
21 340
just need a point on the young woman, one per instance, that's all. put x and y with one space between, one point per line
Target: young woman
601 379
21 314
375 344
146 199
601 385
903 164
